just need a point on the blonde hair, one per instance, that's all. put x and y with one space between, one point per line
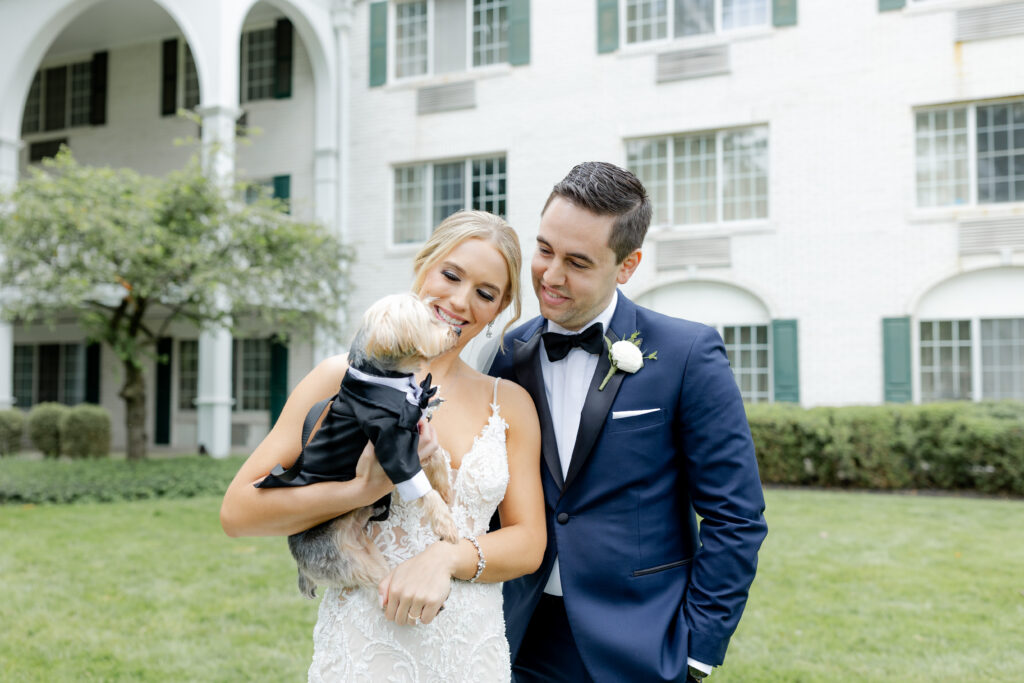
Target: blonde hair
465 225
398 333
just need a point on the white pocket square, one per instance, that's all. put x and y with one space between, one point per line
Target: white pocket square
619 414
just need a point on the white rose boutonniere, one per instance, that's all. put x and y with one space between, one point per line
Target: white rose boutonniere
625 355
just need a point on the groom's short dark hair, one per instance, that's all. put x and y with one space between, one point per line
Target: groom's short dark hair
607 190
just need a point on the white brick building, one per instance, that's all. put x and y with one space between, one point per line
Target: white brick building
838 186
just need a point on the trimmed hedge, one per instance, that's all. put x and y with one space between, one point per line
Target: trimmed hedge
85 431
44 427
64 481
12 426
953 446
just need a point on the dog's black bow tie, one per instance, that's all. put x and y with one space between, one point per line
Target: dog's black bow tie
558 345
426 392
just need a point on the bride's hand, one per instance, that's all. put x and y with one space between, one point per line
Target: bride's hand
428 439
419 586
369 471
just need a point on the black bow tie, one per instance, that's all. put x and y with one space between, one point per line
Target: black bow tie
426 392
558 345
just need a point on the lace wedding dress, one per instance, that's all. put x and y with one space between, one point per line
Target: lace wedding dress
353 641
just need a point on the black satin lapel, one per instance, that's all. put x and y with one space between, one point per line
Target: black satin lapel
527 364
595 410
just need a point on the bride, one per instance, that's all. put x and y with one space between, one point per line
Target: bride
486 430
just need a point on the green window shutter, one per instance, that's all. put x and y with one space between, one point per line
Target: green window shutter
283 190
162 431
784 12
278 378
886 5
786 361
98 100
283 40
607 26
92 373
898 372
169 84
378 43
518 32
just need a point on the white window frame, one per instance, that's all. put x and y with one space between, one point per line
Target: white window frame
68 99
243 59
972 156
670 14
720 221
977 349
769 394
65 394
468 66
183 403
428 192
238 357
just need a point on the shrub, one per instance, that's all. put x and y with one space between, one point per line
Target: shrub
106 480
44 427
85 431
12 426
956 446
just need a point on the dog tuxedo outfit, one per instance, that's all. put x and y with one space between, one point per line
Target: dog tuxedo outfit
370 406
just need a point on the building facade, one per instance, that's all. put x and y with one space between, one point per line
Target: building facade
838 187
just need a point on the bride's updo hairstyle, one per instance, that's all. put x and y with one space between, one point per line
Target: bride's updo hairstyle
481 225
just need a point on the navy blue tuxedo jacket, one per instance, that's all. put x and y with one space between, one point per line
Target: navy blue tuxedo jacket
643 588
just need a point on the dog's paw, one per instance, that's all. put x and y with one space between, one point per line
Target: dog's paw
445 528
306 586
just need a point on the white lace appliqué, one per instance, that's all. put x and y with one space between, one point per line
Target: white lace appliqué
352 641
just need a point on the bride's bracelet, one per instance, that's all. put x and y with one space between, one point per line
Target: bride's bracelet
481 562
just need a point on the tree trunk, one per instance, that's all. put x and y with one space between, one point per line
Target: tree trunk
134 394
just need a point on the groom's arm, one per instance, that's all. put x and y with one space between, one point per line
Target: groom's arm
725 490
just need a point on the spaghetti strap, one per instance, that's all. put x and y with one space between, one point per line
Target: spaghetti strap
494 401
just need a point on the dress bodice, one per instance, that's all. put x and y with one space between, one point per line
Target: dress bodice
466 642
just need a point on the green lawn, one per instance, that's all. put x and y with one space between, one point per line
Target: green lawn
851 587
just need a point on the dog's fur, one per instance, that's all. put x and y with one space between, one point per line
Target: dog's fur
397 334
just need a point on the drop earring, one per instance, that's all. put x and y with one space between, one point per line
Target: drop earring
490 329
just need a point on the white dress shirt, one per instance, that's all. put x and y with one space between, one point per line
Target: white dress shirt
566 383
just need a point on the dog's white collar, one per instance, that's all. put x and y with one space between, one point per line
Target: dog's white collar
406 384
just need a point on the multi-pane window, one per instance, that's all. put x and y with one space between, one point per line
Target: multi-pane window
49 372
490 32
950 351
748 351
59 97
258 64
704 178
426 194
970 154
24 374
945 360
1002 358
81 93
188 374
942 166
250 377
411 41
650 20
444 36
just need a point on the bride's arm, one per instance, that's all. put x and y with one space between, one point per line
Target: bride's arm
249 511
420 585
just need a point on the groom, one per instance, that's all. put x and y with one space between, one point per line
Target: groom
631 588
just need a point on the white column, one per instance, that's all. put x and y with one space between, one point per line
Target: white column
8 177
213 400
332 167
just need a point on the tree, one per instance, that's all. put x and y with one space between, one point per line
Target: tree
129 255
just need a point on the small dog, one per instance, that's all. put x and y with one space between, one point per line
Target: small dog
378 401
